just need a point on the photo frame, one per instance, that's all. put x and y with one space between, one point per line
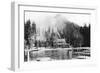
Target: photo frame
35 29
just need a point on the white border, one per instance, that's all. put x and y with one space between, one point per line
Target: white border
17 61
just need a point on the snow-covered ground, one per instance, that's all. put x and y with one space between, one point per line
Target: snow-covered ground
48 54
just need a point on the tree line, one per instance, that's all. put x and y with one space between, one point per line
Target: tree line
76 36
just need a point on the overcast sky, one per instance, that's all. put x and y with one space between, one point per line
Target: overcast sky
46 19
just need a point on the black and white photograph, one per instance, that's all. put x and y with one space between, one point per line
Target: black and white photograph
50 36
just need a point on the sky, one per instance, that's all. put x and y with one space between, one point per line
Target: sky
43 18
